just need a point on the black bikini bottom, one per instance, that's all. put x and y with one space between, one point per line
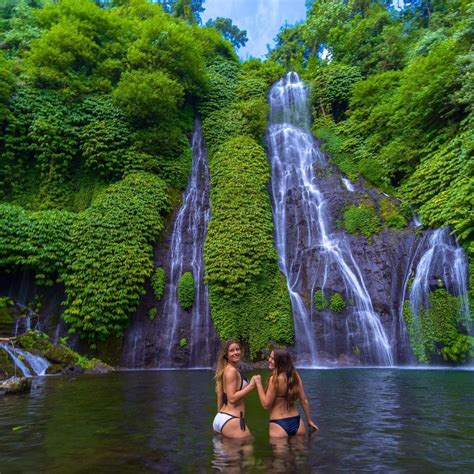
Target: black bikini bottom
290 425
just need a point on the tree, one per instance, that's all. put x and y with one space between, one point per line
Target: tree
229 31
189 10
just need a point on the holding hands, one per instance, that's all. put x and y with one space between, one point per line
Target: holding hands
257 379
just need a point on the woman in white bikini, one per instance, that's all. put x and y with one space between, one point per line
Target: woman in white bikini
284 388
231 388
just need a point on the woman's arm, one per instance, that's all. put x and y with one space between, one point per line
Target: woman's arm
232 378
219 400
266 398
305 405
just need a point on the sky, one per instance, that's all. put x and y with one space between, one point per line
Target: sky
261 18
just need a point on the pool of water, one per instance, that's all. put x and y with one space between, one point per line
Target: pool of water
159 421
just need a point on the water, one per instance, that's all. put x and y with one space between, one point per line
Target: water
187 254
349 186
303 233
443 259
28 364
382 420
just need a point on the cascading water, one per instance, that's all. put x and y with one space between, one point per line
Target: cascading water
442 259
347 183
26 362
187 254
308 251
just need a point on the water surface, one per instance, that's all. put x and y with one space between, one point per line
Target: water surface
159 421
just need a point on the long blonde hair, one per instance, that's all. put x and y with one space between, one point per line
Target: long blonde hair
284 364
222 363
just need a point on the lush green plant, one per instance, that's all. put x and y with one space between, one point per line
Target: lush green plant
247 296
438 330
183 342
148 97
361 219
186 291
152 313
320 301
337 303
111 255
39 240
158 282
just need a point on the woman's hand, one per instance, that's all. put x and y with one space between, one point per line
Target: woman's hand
257 379
312 426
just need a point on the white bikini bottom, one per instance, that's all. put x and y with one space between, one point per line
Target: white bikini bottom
222 418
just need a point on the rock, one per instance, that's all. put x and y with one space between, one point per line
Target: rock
99 368
15 385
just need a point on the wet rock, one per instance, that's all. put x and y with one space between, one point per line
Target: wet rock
99 367
15 385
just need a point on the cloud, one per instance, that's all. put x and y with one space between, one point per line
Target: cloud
261 18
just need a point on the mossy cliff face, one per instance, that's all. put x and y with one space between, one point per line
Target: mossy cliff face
247 293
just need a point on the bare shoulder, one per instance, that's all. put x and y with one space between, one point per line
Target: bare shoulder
230 371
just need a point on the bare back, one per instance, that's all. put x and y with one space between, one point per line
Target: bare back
279 408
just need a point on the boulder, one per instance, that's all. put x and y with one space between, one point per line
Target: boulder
15 385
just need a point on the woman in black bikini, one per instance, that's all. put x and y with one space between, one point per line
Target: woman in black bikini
284 388
231 388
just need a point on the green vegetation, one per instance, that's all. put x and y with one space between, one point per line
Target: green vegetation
320 301
183 342
186 291
438 331
152 313
158 282
361 219
391 214
95 108
247 293
59 355
111 247
336 303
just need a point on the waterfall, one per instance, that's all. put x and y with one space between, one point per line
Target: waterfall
28 363
446 260
347 183
186 254
303 229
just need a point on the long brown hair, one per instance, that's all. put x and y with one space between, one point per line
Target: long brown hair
284 365
222 362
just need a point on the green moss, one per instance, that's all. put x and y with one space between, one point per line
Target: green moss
186 291
60 355
183 342
391 215
158 282
152 313
361 220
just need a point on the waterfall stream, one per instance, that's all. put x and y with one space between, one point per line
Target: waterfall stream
303 229
26 362
187 254
443 259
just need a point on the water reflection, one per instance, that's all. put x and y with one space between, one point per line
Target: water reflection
233 455
289 454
